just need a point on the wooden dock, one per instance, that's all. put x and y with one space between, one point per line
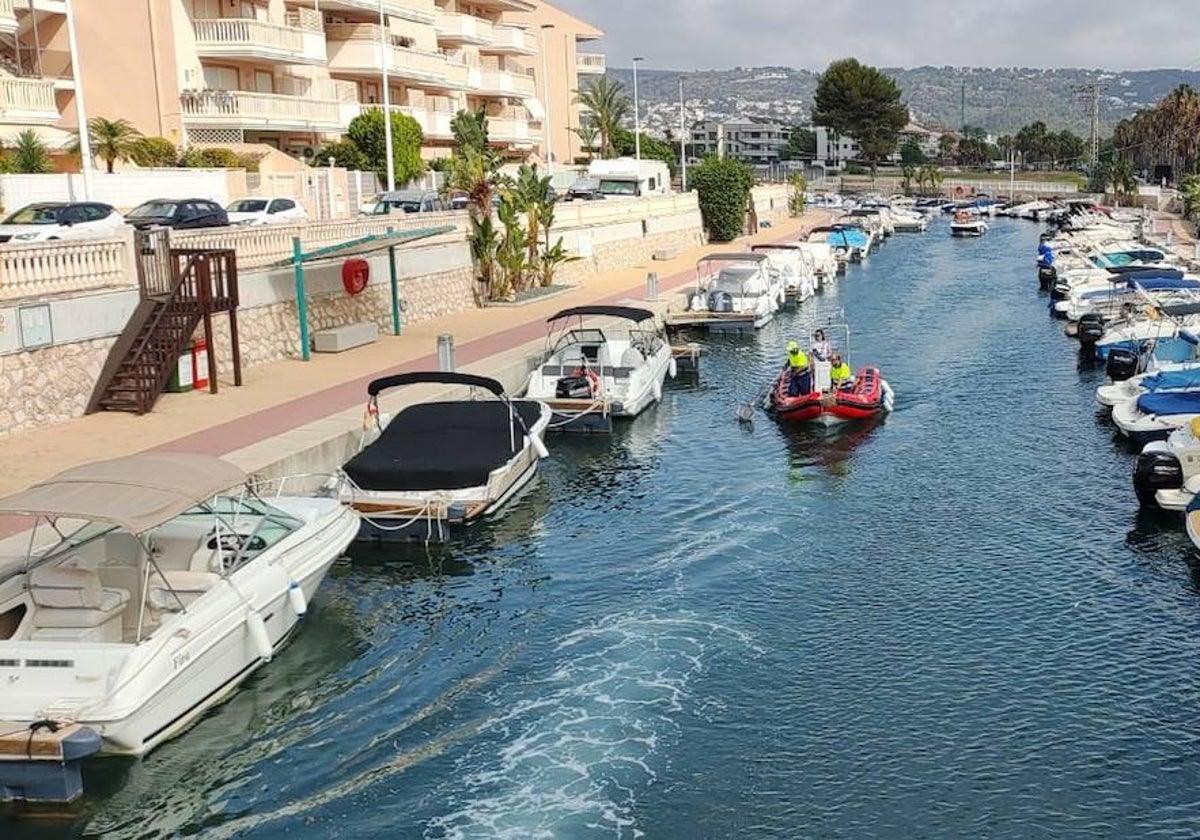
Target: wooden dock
711 321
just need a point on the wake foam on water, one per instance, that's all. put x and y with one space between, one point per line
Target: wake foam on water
582 742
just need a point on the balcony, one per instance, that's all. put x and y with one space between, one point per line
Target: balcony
8 18
512 40
435 125
464 29
590 63
511 127
354 49
240 38
489 82
245 110
416 11
27 101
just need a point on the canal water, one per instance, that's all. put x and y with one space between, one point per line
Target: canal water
953 624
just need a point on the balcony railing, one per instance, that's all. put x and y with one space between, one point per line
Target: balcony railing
245 109
459 28
510 126
492 82
435 125
355 48
513 39
239 37
8 17
27 101
417 11
590 63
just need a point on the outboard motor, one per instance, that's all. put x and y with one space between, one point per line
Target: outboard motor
1091 328
1059 291
720 302
1122 364
1047 277
1156 470
573 387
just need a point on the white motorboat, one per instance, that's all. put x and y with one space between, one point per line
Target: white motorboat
1155 415
165 584
967 224
1165 377
734 291
446 462
794 269
1167 472
613 365
820 255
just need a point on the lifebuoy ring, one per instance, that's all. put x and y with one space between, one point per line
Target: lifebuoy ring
356 274
960 192
591 377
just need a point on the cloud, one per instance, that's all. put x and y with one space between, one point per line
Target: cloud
715 34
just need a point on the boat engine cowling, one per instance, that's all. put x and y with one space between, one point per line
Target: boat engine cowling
720 302
573 387
1047 277
1122 364
1155 470
1091 328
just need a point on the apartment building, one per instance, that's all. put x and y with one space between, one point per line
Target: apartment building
756 143
289 73
835 150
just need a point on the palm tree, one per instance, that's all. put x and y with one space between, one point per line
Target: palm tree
113 140
29 155
608 105
587 133
1121 179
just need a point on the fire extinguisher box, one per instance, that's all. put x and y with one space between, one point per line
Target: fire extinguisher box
182 378
200 364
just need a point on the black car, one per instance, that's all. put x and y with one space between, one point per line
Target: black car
178 213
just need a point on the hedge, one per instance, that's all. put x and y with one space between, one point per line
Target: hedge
723 189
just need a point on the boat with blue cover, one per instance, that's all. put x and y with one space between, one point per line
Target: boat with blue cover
1154 416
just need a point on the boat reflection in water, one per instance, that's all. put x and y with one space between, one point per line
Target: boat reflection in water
829 448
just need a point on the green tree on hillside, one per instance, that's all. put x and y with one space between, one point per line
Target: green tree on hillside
861 102
652 147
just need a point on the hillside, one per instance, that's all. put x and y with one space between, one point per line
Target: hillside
999 99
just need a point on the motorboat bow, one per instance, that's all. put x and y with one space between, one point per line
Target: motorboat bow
966 223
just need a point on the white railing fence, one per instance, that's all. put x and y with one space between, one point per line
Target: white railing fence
56 268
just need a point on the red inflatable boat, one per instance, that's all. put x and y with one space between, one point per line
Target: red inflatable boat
868 397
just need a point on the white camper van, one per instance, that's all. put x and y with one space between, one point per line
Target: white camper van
630 178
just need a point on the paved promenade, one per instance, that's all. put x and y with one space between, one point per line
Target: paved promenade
283 403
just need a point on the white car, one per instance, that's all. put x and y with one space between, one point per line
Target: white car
266 211
49 220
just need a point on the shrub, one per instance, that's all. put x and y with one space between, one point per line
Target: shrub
367 132
723 189
345 153
154 152
211 158
797 184
29 155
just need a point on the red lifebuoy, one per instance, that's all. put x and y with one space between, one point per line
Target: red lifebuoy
591 378
960 192
356 274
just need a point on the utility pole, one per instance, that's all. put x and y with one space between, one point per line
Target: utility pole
683 132
962 108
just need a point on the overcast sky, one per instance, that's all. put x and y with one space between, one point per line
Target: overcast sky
716 34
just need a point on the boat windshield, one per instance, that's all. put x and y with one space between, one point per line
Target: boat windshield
732 279
589 339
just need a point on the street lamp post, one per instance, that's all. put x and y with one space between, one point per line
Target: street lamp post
387 101
682 139
85 140
637 112
547 129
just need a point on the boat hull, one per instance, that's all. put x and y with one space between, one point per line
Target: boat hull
870 397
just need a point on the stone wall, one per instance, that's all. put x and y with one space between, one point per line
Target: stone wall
614 256
51 385
272 333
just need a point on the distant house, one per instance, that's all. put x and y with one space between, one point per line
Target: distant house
834 150
927 140
755 143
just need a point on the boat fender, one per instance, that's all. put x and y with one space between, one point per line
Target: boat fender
257 628
538 446
296 599
673 368
657 390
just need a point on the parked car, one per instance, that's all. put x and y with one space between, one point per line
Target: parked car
585 189
178 213
407 201
266 211
60 220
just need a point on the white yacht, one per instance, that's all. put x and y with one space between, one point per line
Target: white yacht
793 268
165 582
614 365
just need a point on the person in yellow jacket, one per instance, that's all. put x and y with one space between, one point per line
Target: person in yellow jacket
839 373
799 373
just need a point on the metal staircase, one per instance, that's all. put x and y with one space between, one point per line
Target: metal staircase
181 288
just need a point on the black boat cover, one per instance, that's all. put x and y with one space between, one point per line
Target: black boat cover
437 377
442 446
630 313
